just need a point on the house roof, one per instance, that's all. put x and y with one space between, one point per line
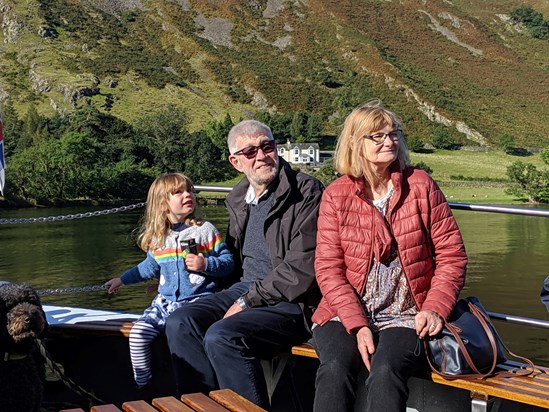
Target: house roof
301 146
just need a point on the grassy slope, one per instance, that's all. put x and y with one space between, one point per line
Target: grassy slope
354 43
492 91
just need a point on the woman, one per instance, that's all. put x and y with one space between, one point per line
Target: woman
390 263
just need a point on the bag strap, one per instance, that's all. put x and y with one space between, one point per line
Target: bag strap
531 368
477 313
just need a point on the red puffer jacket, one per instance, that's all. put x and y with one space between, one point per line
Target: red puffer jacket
351 232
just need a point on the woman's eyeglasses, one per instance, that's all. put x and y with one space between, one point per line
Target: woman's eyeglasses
379 138
251 151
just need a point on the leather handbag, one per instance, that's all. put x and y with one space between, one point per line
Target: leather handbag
468 346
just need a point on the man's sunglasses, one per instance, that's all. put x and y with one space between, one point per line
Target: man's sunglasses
251 151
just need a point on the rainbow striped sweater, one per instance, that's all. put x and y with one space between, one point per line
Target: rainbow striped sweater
168 263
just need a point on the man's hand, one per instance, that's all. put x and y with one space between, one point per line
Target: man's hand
366 346
235 308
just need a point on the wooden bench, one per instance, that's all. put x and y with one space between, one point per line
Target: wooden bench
223 400
531 390
507 384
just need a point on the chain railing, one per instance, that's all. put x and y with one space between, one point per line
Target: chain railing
70 216
62 291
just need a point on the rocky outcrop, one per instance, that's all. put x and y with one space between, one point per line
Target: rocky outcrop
38 82
432 114
46 32
115 7
71 93
215 29
12 26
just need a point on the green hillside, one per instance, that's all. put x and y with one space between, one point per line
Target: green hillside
461 63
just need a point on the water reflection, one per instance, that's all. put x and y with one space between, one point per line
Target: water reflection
507 262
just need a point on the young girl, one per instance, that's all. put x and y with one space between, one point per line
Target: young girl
184 252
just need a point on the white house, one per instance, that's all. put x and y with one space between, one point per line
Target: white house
299 153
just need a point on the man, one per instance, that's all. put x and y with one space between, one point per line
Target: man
219 340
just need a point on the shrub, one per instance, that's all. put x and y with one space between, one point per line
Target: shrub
545 155
423 166
528 181
415 144
507 143
442 140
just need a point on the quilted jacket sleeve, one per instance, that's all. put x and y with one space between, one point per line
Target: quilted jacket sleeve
331 268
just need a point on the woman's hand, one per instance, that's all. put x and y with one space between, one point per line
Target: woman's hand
195 263
366 346
113 285
428 323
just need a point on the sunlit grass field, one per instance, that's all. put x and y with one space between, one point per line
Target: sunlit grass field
447 164
450 166
452 169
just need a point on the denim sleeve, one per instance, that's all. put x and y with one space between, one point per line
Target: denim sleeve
148 269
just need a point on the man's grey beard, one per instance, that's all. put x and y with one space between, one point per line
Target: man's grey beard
265 182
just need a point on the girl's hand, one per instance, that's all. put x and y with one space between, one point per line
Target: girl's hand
428 323
366 346
113 285
195 263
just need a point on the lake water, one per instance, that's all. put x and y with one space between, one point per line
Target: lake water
508 261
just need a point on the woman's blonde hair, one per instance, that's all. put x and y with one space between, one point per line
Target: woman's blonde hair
363 120
155 223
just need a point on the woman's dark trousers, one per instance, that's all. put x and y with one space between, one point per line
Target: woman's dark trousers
343 383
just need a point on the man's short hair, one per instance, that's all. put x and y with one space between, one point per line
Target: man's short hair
248 128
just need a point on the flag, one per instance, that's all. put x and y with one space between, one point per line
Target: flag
2 160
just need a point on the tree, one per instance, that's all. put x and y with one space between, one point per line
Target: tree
313 128
12 130
163 135
507 143
414 143
217 132
537 26
202 162
526 15
37 174
528 181
297 126
326 173
34 128
441 138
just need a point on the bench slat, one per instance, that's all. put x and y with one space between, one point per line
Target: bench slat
105 408
109 327
305 350
138 406
234 402
170 404
498 388
536 384
201 403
